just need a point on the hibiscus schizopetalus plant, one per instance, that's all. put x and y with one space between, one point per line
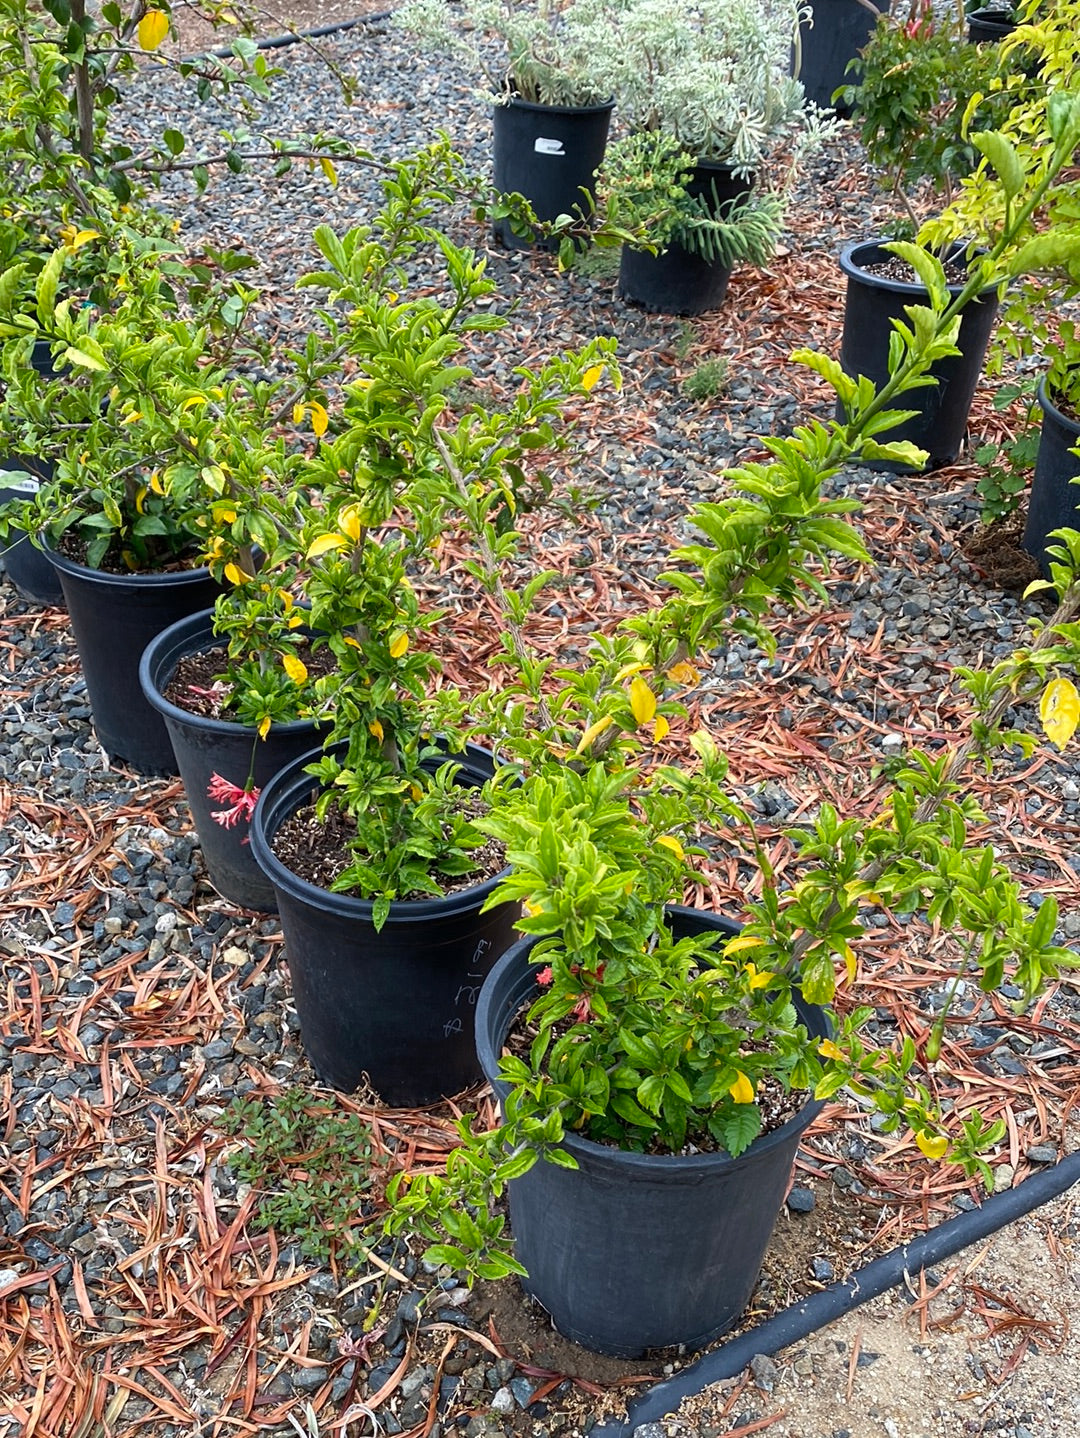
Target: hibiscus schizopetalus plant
654 1044
344 524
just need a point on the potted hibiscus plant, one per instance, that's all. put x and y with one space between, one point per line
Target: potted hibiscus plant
654 1067
369 842
550 93
128 545
1031 130
921 99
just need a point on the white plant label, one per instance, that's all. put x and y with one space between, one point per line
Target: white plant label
19 481
549 147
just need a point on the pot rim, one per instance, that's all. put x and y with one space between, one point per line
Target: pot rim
913 288
157 578
513 101
280 794
1050 408
656 1166
201 626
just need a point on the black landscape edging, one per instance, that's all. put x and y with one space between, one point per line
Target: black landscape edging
802 1319
294 37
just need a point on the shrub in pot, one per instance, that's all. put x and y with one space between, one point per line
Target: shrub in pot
917 86
552 101
641 1036
371 843
706 95
1047 273
124 533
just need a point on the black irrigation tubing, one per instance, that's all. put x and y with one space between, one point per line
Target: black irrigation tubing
294 37
802 1319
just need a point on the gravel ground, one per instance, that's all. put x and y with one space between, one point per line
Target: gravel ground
138 1004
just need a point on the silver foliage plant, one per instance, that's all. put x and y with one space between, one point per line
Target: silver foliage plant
712 76
548 54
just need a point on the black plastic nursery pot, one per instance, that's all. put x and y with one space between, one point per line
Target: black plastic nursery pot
872 303
394 1008
549 154
678 281
1054 502
205 748
114 617
28 568
989 25
634 1251
829 39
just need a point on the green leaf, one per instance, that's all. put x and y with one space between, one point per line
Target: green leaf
927 266
45 290
1001 153
174 141
82 357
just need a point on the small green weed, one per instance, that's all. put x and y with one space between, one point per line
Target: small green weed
1008 465
308 1162
598 262
708 380
685 340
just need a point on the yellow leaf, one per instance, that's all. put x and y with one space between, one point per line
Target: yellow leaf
319 418
74 238
287 601
264 726
628 669
669 841
591 377
660 729
416 792
153 27
847 953
295 668
593 732
294 621
1059 710
298 412
933 1147
224 514
351 522
828 1050
742 1090
683 673
234 574
398 645
353 643
376 729
759 978
642 701
331 174
140 498
740 943
325 543
133 417
193 401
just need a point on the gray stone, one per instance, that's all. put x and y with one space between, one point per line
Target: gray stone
308 1380
801 1199
503 1401
765 1372
1041 1153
